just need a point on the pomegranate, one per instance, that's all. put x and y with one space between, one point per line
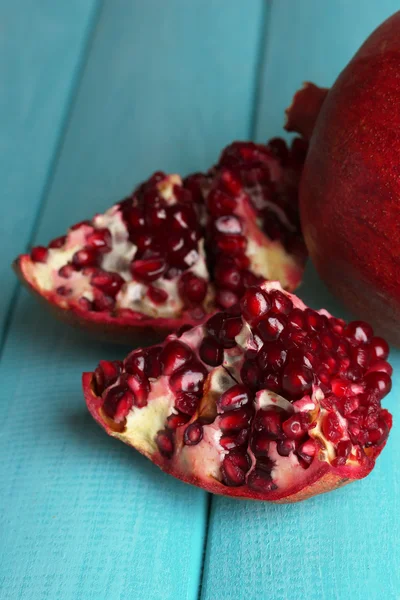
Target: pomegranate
350 188
245 407
177 250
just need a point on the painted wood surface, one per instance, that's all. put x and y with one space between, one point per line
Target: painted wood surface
100 94
82 516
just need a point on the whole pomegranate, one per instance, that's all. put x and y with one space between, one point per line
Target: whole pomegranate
176 250
270 400
350 188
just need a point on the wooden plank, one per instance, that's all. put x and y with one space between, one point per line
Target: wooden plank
41 49
343 544
166 86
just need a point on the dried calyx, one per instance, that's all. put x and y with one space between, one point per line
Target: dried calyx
271 401
177 250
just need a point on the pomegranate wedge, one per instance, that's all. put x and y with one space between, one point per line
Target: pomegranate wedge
176 250
270 400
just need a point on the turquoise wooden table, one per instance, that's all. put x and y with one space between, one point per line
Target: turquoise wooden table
95 96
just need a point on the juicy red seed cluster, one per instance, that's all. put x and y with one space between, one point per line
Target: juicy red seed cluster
166 237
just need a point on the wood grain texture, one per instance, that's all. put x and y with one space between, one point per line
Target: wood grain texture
42 45
81 516
345 544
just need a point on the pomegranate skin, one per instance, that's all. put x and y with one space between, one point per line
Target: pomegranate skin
350 188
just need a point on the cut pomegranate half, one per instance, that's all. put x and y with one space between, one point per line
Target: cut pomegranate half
225 409
175 251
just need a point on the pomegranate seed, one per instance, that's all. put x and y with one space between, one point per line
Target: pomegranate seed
229 442
118 402
358 331
255 303
174 355
229 224
231 244
109 283
186 403
140 387
175 421
269 421
337 325
328 341
251 375
379 349
153 363
381 365
189 378
296 319
272 383
228 275
342 453
285 447
360 356
350 405
260 480
231 327
226 299
234 468
378 436
39 254
295 427
102 302
306 453
331 428
297 381
58 242
144 241
233 398
313 320
106 374
193 434
87 257
211 352
182 218
272 356
135 362
280 303
231 183
220 204
66 271
215 324
192 288
156 217
100 240
242 261
235 420
156 295
249 279
271 327
378 382
260 444
165 443
148 269
134 218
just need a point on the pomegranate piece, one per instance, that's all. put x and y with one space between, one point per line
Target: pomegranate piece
176 251
344 179
278 421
